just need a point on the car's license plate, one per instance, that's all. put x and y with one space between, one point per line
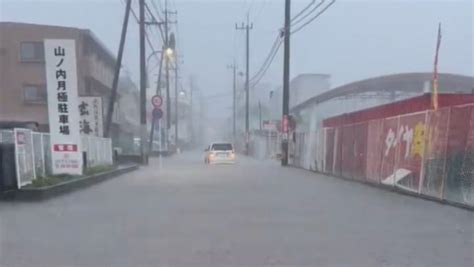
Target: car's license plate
222 155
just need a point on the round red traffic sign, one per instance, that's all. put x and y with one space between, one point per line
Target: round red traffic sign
157 100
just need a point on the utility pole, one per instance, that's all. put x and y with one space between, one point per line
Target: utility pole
233 66
247 27
158 92
191 109
259 115
167 75
176 95
118 66
142 84
286 83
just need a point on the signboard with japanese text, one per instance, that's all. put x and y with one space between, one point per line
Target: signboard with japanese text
270 125
63 111
91 116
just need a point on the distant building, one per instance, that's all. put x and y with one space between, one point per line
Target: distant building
373 92
306 86
22 69
127 115
302 87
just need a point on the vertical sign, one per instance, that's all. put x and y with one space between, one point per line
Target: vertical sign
284 127
90 112
24 157
63 112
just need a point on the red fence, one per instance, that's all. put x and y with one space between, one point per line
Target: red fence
426 152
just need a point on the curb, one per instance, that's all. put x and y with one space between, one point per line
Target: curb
43 193
396 190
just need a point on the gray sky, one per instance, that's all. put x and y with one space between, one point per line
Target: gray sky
353 40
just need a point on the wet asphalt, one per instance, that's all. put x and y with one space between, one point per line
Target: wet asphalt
179 212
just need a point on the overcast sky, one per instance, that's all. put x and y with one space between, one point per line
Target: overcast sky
353 40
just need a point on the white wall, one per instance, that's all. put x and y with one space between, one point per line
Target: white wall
306 86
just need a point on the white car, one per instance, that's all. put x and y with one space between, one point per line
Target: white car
219 152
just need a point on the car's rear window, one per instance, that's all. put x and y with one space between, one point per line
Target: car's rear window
221 147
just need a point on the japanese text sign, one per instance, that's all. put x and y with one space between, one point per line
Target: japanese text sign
63 111
91 118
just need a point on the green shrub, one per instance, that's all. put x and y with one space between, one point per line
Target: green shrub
56 179
98 169
51 180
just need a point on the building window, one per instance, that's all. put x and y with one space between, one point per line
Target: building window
32 51
34 94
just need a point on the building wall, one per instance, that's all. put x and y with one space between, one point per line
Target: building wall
16 73
405 145
305 86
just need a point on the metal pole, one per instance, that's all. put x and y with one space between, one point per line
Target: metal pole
176 99
158 92
286 82
247 98
142 83
247 29
168 98
234 92
118 65
234 70
191 112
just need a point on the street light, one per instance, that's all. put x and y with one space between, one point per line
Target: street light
182 93
169 52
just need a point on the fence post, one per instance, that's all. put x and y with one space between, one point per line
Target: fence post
423 155
43 161
445 176
17 160
111 151
33 153
103 153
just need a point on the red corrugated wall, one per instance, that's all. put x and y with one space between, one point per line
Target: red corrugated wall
433 149
407 106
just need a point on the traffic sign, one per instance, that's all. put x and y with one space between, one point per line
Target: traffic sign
156 101
157 113
284 124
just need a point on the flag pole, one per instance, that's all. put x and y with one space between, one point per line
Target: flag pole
434 93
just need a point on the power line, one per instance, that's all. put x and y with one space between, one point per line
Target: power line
160 6
276 44
146 35
313 18
260 11
296 20
250 6
150 13
155 22
306 8
254 83
156 9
